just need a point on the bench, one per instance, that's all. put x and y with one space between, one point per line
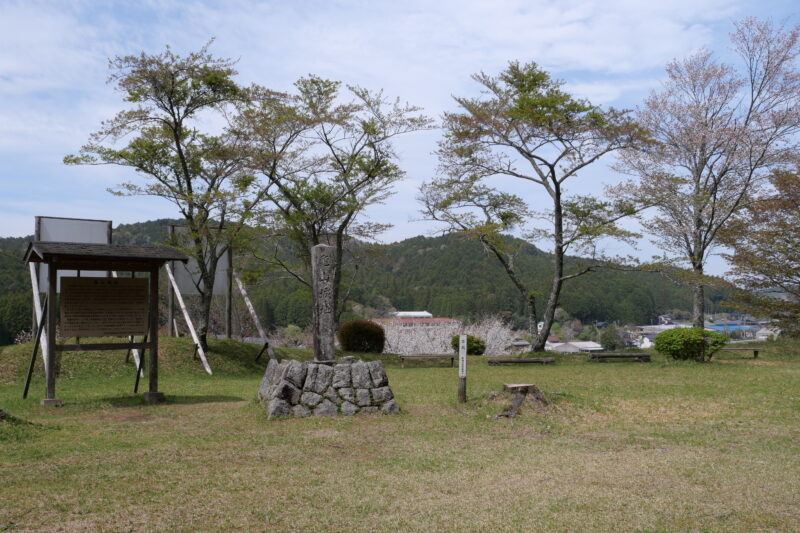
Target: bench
521 360
602 357
754 350
419 357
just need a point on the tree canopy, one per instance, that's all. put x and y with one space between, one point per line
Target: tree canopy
524 126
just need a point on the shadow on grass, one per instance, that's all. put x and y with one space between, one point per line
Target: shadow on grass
137 400
210 398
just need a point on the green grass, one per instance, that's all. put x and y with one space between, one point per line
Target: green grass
627 446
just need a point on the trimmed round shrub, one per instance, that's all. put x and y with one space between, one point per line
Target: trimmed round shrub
475 345
689 343
362 336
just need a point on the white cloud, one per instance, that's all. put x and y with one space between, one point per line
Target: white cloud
53 65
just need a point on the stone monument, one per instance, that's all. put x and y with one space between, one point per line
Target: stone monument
323 270
325 386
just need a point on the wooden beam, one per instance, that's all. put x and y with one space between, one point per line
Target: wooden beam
103 346
188 319
52 310
153 394
253 314
37 309
229 296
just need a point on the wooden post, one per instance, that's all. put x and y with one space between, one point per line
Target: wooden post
172 330
52 308
37 310
462 369
229 297
253 315
188 319
153 395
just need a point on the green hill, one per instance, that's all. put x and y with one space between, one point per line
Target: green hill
448 276
451 276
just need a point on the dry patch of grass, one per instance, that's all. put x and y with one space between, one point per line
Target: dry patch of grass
753 362
626 447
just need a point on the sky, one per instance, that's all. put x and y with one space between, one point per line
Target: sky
54 66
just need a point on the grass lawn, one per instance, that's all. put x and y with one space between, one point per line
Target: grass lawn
659 446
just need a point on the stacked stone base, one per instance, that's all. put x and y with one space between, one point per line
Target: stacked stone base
294 388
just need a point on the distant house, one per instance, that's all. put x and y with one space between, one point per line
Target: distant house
765 334
573 347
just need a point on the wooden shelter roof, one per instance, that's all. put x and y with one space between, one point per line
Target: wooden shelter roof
100 255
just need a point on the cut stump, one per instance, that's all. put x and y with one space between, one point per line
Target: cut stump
521 392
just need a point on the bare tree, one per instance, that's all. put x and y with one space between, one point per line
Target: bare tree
525 127
717 130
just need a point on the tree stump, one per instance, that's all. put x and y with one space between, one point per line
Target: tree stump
521 392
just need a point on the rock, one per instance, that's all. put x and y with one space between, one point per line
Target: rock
347 359
347 394
363 397
294 388
310 399
341 376
390 407
265 389
360 374
287 392
295 373
349 409
271 377
318 378
377 373
382 394
326 408
278 408
332 395
301 411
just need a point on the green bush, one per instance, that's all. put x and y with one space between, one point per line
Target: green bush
689 343
475 345
362 336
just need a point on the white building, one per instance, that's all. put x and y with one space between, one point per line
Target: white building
573 347
412 314
766 334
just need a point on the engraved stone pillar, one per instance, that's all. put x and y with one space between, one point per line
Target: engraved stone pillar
323 266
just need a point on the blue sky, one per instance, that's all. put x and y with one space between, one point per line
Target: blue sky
53 67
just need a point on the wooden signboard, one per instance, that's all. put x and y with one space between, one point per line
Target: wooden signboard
103 307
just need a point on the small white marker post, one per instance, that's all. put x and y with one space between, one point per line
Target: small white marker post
462 369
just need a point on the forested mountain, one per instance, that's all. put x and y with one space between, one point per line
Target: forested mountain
449 276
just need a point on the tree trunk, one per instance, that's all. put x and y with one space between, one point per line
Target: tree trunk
558 272
552 303
205 313
698 300
532 318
